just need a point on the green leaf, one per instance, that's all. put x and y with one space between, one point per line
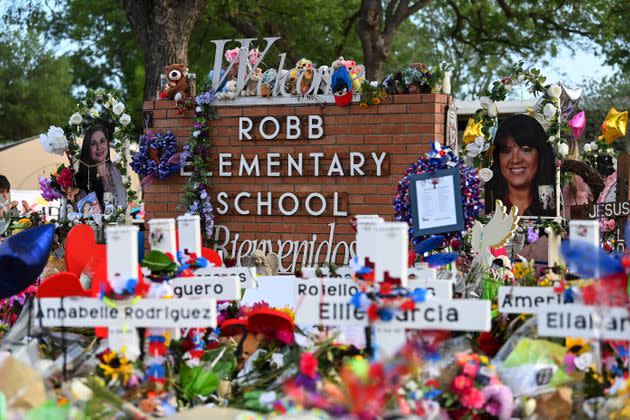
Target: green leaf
197 381
158 262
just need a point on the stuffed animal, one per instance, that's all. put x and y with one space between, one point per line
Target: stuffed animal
177 86
230 90
305 66
252 84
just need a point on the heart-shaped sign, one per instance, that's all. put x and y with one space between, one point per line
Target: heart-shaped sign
61 285
81 249
212 256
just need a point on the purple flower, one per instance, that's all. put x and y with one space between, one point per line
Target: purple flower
499 401
48 192
306 382
532 235
205 98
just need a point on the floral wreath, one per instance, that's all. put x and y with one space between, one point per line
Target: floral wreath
440 158
157 157
486 118
99 106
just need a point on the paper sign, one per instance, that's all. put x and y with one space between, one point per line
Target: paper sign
89 312
218 288
162 235
189 233
528 300
456 315
277 291
245 275
585 321
584 230
122 255
336 287
124 341
388 245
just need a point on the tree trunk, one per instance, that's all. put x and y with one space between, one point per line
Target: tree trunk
376 29
164 28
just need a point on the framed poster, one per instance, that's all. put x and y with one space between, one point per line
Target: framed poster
436 202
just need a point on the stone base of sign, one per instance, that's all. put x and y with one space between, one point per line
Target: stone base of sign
401 128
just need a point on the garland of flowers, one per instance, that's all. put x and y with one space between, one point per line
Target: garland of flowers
439 158
196 152
149 164
480 148
99 106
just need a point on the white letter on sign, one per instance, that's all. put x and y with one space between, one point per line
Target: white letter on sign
221 200
315 123
243 131
261 128
237 205
293 127
223 163
308 204
296 204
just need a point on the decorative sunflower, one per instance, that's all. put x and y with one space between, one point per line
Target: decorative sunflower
115 367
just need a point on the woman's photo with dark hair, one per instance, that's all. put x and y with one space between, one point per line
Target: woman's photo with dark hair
523 167
96 171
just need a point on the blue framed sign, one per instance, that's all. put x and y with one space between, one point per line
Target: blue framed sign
436 202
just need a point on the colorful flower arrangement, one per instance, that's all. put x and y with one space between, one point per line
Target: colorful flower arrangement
60 184
196 153
415 78
157 157
439 158
372 93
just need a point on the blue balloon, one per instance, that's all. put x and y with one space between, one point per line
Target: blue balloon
443 258
588 260
23 257
429 244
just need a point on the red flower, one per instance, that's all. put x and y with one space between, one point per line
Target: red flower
308 365
461 384
64 178
488 344
411 258
471 369
473 398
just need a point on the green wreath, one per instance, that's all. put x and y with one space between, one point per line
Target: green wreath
548 113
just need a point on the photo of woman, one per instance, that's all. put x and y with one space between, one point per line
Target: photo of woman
523 167
96 171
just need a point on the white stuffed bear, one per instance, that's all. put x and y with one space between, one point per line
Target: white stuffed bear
230 86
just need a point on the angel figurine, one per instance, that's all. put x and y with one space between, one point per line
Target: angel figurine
499 230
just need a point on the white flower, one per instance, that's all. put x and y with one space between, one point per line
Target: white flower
118 108
93 113
75 119
54 141
302 340
118 158
554 90
277 359
548 230
116 130
198 109
508 87
196 133
587 147
374 83
549 111
490 105
594 146
125 179
485 174
563 149
125 119
520 77
583 361
79 390
477 147
107 104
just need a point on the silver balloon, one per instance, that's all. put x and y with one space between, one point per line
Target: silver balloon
569 100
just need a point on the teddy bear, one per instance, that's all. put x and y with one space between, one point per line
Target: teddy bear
230 90
177 86
252 84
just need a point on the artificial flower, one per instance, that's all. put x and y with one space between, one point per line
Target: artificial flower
554 91
64 178
118 108
75 119
93 113
471 369
54 141
549 111
374 84
461 384
489 105
308 365
485 174
563 149
376 101
48 193
499 401
477 147
125 119
277 359
473 399
584 361
532 234
116 367
488 344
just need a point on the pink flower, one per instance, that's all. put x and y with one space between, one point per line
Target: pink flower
461 384
253 56
232 55
473 399
285 336
499 401
64 178
308 365
569 362
471 369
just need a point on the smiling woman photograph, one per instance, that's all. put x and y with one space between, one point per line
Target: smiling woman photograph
523 167
96 171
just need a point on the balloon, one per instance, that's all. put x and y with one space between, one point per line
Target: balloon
23 257
614 125
569 100
578 124
81 248
61 285
472 131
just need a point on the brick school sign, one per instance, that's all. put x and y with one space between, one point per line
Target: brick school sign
289 177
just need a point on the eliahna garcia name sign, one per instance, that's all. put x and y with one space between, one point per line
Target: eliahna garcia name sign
328 303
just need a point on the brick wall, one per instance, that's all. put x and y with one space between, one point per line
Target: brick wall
401 126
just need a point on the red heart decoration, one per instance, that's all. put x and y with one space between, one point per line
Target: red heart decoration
212 256
81 247
61 285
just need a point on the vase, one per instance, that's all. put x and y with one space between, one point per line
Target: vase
446 83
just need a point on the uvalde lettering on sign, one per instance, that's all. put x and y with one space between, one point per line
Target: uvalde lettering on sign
159 313
204 285
584 321
528 300
457 315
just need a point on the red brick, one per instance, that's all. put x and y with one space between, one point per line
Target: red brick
158 114
392 109
147 105
165 104
408 99
165 123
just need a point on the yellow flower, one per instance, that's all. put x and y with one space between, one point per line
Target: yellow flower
472 131
287 310
483 359
363 105
376 101
116 367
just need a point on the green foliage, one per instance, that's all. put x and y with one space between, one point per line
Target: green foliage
35 86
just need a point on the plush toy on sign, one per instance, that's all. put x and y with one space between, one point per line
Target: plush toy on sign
357 74
230 90
252 84
303 66
341 83
177 86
